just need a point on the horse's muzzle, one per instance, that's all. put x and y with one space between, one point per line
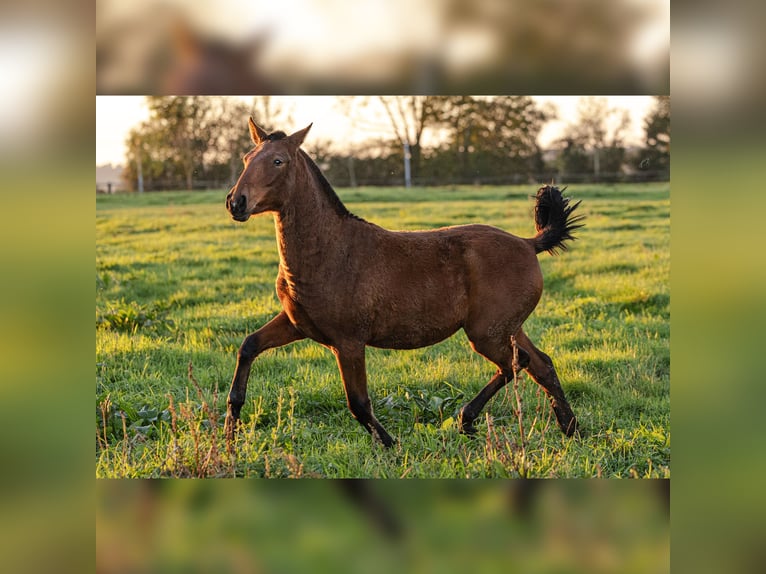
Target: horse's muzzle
237 207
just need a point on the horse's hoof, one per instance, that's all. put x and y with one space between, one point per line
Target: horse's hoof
383 437
466 424
572 429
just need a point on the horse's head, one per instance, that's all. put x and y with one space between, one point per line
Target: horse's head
265 182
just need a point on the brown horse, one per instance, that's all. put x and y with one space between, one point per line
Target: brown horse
347 283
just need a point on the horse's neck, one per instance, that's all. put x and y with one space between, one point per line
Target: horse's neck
309 232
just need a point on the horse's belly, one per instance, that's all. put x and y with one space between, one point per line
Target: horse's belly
407 329
419 317
412 339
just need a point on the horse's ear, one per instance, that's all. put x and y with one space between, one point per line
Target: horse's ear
295 140
257 133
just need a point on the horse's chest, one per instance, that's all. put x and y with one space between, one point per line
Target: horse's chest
304 308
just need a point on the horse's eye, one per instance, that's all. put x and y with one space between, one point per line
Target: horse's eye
278 162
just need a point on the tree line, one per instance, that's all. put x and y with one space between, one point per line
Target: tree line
193 142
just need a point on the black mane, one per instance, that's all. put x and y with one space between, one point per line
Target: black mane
275 136
335 201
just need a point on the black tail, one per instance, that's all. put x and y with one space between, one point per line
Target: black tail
553 220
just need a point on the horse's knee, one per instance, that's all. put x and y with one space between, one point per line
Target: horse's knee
546 359
249 348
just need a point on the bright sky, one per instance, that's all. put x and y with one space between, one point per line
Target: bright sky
116 115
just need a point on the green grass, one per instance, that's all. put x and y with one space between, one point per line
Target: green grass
179 285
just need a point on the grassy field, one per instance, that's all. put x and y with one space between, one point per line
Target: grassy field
179 285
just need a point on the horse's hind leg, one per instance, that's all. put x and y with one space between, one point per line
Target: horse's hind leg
531 359
541 369
276 333
471 410
351 363
501 354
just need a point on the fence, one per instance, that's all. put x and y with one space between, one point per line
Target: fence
396 179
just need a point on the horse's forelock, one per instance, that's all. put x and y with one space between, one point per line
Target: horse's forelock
275 136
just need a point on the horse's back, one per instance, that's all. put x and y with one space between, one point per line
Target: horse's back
464 255
471 265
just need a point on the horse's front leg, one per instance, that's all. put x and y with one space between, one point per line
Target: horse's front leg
354 374
276 333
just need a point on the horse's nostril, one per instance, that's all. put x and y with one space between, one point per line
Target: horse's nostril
233 204
236 206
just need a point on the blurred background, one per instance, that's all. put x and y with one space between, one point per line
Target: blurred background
383 46
365 527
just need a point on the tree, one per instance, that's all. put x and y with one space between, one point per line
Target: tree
598 135
657 131
573 157
229 139
409 117
170 146
195 138
184 125
491 138
147 157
